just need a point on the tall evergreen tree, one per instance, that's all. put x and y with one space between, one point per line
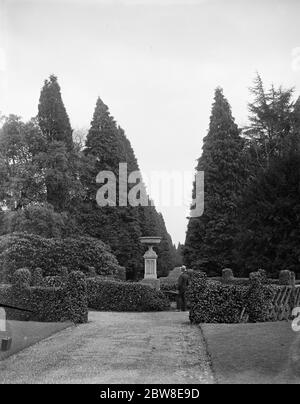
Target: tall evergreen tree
269 122
269 210
58 160
209 238
52 115
121 226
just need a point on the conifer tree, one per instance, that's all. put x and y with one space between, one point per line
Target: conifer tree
58 160
120 226
268 237
209 238
52 116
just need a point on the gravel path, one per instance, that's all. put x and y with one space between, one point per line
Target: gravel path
116 348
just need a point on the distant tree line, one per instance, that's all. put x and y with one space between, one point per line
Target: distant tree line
48 182
251 218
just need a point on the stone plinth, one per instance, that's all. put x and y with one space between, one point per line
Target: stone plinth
150 259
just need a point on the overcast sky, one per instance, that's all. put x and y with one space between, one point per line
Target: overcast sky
154 63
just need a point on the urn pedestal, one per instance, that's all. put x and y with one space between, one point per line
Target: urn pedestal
150 262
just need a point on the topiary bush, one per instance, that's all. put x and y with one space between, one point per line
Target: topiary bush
214 302
37 277
285 277
227 275
259 298
19 250
21 278
122 296
52 282
67 303
76 296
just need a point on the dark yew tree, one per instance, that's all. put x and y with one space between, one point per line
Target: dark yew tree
210 238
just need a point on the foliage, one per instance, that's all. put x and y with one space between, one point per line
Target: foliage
37 277
21 278
120 226
269 234
53 118
270 127
21 176
251 216
68 303
212 301
210 238
123 296
60 159
39 219
20 250
76 297
259 298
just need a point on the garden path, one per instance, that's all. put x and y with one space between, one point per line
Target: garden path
116 348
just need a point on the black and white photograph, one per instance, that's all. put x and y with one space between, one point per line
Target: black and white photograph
149 195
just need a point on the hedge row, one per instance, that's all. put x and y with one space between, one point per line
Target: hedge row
121 296
68 303
216 302
24 250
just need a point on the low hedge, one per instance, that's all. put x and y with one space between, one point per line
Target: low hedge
19 250
108 295
216 302
68 303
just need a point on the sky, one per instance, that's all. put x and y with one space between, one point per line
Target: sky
155 63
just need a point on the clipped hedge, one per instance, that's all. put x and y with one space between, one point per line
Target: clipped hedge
217 302
214 302
19 250
46 304
108 295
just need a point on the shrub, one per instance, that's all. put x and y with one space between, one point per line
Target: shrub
214 302
121 273
20 250
52 282
259 298
76 296
168 284
285 277
39 219
48 304
37 277
227 275
123 296
21 278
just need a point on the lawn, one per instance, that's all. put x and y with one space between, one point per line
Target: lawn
260 353
28 333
